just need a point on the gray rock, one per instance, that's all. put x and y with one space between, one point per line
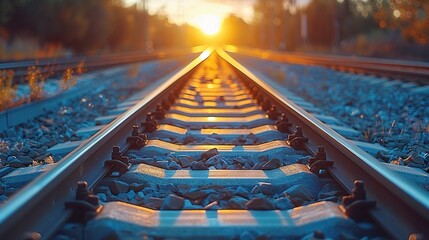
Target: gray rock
257 166
263 159
185 161
264 188
240 160
136 187
173 202
212 206
3 156
131 195
148 191
419 160
415 165
162 164
259 204
283 203
11 158
213 198
154 202
214 160
11 133
47 121
189 139
188 204
237 202
26 160
216 136
174 166
195 195
15 163
209 140
299 191
140 196
102 197
198 166
210 153
242 192
117 187
102 189
226 194
41 158
171 187
252 137
272 164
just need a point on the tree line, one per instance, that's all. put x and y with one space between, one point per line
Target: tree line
107 25
92 25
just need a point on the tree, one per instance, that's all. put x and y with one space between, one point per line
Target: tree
409 17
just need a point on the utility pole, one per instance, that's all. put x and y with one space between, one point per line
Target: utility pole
145 24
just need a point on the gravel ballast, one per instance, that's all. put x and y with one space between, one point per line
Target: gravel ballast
386 112
26 144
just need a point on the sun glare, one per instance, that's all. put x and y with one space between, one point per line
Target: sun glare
209 24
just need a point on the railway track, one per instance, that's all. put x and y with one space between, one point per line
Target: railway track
395 69
57 66
209 154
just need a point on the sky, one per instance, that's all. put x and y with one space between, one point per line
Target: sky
191 11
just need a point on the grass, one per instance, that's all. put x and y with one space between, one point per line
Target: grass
36 80
80 68
7 89
68 81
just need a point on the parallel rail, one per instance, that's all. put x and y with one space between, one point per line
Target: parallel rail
401 209
52 66
395 69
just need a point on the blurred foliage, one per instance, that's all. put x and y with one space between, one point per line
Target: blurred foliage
36 81
410 17
382 28
90 25
280 23
7 89
232 30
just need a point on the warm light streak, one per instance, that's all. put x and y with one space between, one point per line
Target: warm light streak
204 55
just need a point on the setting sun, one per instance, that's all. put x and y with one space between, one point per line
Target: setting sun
209 24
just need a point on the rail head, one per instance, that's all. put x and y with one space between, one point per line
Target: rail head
45 197
396 198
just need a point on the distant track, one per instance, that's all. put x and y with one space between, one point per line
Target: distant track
56 66
395 69
201 98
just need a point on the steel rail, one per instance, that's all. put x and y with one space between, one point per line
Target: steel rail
406 70
58 65
402 209
39 206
